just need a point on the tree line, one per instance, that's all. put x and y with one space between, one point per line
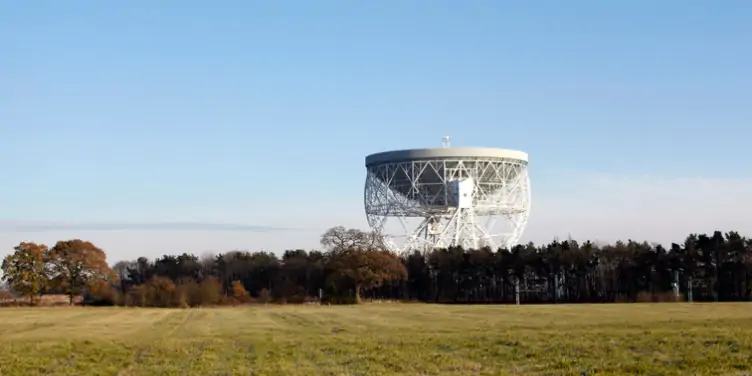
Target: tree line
353 266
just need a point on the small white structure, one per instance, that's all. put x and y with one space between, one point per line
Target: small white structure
469 197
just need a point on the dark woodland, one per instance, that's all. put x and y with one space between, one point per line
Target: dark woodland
353 268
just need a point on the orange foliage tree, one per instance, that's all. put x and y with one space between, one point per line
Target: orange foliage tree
76 264
367 268
101 292
161 291
210 291
239 293
25 270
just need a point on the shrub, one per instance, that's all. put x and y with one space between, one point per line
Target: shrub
6 295
238 293
210 291
658 297
101 293
137 296
187 294
7 299
161 292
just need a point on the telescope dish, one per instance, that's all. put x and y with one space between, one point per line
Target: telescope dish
439 198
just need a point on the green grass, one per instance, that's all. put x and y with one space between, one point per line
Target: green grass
380 339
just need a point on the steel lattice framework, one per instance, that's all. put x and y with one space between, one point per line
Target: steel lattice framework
491 209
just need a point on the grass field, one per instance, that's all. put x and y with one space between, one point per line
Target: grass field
380 339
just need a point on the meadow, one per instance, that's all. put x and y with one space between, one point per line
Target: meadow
380 339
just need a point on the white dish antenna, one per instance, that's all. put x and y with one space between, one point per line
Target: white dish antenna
444 197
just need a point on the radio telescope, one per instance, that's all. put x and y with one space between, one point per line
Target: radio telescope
443 197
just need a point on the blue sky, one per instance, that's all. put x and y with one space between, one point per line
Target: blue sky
261 113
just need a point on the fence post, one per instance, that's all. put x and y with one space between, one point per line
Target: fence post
556 287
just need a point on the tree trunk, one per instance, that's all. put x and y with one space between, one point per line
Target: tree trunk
357 293
70 298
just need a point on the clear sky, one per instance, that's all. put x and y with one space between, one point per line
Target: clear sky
120 119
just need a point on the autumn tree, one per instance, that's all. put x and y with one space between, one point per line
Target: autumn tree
367 268
26 270
161 291
75 264
101 293
239 293
137 295
211 291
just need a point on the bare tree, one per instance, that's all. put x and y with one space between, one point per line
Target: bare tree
339 238
208 261
121 268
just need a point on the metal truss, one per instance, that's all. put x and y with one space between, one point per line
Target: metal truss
421 190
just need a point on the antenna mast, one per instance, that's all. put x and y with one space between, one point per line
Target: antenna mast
445 141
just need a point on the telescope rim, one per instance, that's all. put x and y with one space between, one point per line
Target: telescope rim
407 155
